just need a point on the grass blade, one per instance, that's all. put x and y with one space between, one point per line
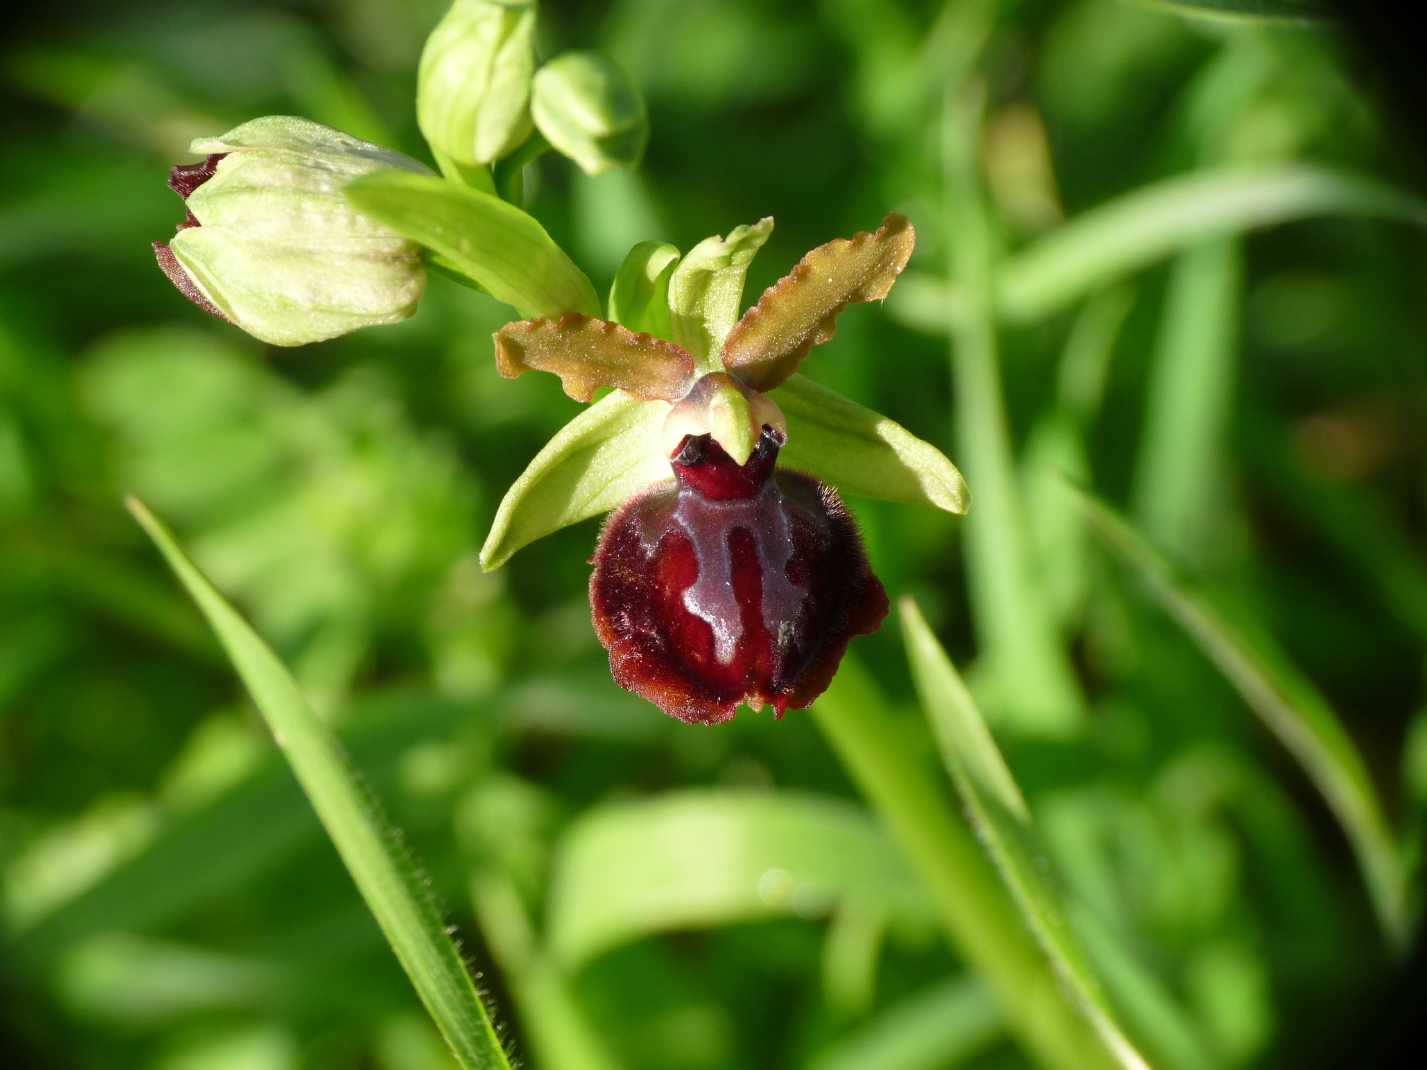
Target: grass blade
1137 229
1246 11
1179 477
946 1026
1289 707
707 858
1014 620
977 915
1003 824
560 1033
389 882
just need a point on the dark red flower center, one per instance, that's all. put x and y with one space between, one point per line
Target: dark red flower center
741 584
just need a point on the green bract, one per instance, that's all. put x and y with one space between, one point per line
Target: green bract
484 239
278 249
665 389
473 85
588 108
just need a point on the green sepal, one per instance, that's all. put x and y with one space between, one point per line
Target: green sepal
861 452
595 463
473 84
707 288
590 110
501 248
639 296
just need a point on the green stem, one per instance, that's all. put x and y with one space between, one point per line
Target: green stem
979 917
1013 618
560 1034
1178 486
510 172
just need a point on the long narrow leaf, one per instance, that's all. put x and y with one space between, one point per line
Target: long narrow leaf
1003 824
1290 708
705 858
387 879
1247 11
978 917
944 1026
1014 618
1178 480
1139 228
1133 231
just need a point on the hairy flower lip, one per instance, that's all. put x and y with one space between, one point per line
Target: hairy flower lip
742 585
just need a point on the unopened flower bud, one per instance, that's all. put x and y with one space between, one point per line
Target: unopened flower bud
473 85
591 111
271 244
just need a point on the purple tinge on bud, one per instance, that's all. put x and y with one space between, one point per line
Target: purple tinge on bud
183 179
738 585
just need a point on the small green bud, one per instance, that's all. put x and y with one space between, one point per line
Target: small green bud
591 111
473 85
272 244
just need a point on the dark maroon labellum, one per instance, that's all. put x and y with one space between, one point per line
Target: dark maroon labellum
183 179
740 584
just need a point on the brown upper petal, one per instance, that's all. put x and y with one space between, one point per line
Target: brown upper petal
588 353
800 310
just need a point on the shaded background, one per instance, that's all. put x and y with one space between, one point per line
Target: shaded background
170 899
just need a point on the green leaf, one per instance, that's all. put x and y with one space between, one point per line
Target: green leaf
596 462
388 880
706 290
708 858
1137 229
862 452
1183 452
944 1026
502 249
1003 825
1289 707
560 1032
1144 226
1247 10
639 297
590 110
977 915
261 822
473 83
1021 646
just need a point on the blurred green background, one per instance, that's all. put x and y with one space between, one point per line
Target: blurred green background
1255 403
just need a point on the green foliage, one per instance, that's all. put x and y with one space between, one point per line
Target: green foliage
388 879
1161 256
495 245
